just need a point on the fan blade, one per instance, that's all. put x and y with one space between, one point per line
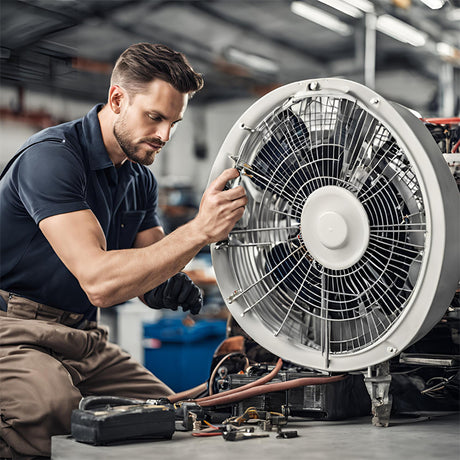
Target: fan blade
277 160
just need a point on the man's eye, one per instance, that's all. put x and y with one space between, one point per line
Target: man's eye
154 118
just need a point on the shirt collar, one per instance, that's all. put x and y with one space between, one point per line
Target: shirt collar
98 155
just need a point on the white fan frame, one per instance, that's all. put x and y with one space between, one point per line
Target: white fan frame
440 271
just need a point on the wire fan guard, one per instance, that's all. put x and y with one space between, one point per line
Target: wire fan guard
341 259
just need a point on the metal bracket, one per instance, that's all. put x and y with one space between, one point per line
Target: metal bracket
221 245
377 382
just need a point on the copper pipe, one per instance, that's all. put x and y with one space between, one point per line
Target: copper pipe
187 394
262 389
216 368
258 382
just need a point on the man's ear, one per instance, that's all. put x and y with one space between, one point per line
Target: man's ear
116 96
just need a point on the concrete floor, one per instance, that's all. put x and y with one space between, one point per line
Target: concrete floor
436 436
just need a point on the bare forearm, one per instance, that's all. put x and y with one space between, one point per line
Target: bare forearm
120 275
111 277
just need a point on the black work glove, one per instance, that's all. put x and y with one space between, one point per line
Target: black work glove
178 291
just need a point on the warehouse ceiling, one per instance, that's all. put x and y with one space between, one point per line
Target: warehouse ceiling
243 48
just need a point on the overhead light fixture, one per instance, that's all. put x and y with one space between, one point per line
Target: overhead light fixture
344 7
400 30
321 17
448 52
253 61
445 50
434 4
364 5
454 15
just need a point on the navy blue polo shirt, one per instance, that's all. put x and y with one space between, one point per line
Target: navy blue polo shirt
63 169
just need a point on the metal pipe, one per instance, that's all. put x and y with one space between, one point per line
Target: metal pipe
262 389
261 381
370 47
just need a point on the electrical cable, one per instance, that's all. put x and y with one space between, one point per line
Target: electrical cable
207 434
251 413
455 147
188 394
216 368
444 382
262 389
441 121
211 430
258 382
193 392
92 402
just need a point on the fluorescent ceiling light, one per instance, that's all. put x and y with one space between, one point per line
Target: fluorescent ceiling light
364 5
434 4
344 7
445 50
400 30
321 17
454 15
253 60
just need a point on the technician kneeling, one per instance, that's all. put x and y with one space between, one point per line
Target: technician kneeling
79 230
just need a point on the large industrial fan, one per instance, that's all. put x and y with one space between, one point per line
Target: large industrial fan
349 248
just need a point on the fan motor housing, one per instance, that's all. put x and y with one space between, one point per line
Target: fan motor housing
349 249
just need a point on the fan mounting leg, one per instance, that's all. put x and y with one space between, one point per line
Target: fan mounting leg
377 382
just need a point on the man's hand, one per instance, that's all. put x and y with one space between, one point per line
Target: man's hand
220 209
78 240
177 291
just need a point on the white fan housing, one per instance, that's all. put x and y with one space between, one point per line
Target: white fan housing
349 248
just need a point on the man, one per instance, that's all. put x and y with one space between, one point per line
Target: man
78 231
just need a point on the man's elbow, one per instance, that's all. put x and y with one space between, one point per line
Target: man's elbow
99 295
100 301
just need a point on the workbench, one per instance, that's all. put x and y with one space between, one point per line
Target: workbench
428 436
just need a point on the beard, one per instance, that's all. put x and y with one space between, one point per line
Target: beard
136 151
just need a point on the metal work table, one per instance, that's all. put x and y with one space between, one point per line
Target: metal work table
436 436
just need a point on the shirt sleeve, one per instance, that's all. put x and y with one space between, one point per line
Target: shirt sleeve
51 180
151 218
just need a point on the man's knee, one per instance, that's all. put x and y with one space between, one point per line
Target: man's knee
28 430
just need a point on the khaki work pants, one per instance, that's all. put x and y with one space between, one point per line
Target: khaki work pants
46 367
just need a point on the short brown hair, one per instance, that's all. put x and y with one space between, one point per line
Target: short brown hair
142 63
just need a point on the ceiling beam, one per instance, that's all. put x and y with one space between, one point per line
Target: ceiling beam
249 28
65 20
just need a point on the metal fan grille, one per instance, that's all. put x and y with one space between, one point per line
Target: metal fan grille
302 146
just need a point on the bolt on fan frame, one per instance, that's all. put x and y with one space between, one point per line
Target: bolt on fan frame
349 249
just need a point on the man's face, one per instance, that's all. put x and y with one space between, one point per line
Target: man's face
146 120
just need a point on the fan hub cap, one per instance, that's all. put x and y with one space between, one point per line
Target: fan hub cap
334 227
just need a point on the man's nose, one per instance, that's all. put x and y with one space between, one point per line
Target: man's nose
164 131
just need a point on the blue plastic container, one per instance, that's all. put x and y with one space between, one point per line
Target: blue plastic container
179 355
